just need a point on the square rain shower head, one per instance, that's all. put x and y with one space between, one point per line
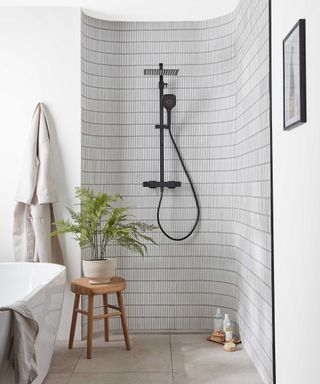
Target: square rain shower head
160 72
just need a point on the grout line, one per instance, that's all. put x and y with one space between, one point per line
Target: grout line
171 359
120 372
75 366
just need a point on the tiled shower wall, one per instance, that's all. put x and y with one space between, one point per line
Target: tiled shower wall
252 200
221 124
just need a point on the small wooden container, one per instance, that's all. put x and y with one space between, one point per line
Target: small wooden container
230 347
217 336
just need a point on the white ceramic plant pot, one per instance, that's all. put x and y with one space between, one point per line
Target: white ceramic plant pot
99 271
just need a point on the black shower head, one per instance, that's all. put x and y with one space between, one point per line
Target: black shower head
168 101
160 72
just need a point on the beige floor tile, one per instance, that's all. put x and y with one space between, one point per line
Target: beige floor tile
198 361
57 378
149 353
122 378
217 377
190 351
64 360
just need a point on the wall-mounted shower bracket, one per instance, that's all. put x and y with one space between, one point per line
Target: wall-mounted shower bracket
158 126
162 84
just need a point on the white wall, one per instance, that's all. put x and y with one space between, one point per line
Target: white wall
40 61
141 9
297 207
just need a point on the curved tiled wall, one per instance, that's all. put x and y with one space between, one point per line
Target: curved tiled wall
221 124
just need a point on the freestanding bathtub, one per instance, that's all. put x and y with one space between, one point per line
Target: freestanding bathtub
41 285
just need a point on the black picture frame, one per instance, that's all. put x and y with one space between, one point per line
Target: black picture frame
294 76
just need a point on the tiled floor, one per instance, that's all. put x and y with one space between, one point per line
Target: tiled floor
155 359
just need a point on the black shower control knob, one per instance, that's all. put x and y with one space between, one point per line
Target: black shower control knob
151 184
173 184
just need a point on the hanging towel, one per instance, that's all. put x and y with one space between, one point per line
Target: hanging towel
23 352
33 213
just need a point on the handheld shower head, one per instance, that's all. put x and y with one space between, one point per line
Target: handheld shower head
168 101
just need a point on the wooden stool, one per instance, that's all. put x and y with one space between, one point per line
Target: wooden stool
82 287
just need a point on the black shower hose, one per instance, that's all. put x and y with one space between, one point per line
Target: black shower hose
194 195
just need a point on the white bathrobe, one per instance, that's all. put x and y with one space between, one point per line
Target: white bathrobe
33 214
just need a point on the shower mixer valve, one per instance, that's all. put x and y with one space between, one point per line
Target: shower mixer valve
156 184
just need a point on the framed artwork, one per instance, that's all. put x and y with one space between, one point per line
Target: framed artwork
294 76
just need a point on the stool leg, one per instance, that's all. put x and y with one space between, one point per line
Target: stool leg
74 319
90 326
106 319
123 320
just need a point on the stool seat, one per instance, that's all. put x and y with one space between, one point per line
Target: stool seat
83 287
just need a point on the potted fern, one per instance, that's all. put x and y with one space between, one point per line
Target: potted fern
99 224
